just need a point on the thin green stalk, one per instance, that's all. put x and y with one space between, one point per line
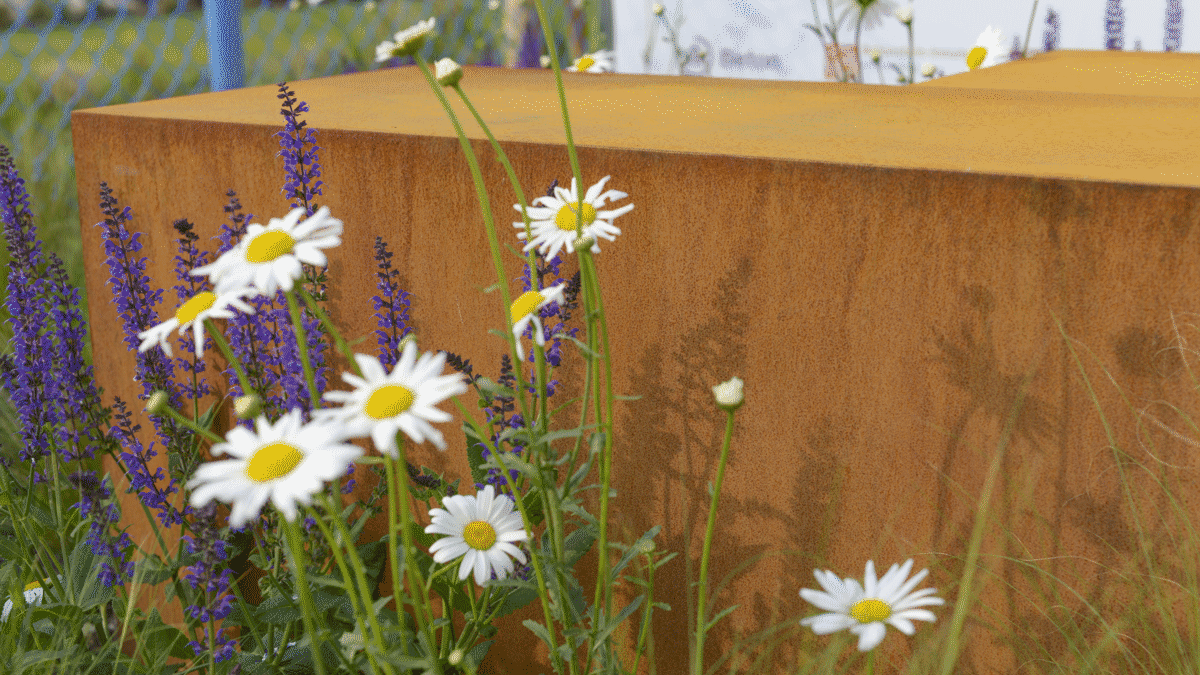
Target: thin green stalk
340 341
302 347
857 42
1029 30
911 55
644 633
702 590
399 494
299 562
230 356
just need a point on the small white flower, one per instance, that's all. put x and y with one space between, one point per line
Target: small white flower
268 258
905 14
552 219
369 6
987 50
599 62
494 5
928 69
406 42
447 72
658 9
382 404
201 306
526 309
875 55
482 530
865 610
729 394
313 3
34 594
544 60
287 462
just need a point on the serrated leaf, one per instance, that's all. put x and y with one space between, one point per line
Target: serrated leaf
538 630
634 549
616 621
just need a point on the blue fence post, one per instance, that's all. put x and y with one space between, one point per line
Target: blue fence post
226 55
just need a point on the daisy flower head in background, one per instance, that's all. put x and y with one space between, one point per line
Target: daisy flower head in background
552 219
872 11
268 258
905 15
34 594
865 610
527 308
201 306
406 42
599 62
987 50
287 462
481 529
382 404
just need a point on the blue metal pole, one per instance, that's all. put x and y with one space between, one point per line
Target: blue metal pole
226 55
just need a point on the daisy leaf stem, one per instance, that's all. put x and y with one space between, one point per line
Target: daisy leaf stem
314 396
548 34
702 585
184 421
362 596
399 518
299 563
230 356
340 341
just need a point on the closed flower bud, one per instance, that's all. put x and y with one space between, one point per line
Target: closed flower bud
411 337
659 9
729 394
247 407
905 14
587 241
545 61
928 69
447 72
646 546
875 55
494 5
456 657
157 403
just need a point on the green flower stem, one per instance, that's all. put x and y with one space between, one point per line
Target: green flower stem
1029 29
644 633
398 485
229 356
871 662
862 14
314 396
548 34
212 631
299 562
911 54
489 224
341 343
175 415
360 597
701 616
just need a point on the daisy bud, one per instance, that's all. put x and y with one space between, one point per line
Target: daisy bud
157 403
494 5
369 6
587 241
928 69
247 407
545 61
729 394
456 657
447 72
875 55
905 14
659 9
411 337
646 547
294 5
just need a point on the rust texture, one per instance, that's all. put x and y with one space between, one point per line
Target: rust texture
883 266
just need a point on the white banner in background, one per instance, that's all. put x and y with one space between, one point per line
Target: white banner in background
745 39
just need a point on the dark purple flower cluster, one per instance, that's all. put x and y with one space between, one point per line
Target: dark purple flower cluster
1015 52
211 574
533 44
96 502
1173 30
294 156
137 465
190 258
1050 36
1114 25
391 310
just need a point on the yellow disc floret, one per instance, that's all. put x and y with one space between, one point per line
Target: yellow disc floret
976 57
526 304
479 535
273 461
870 610
565 219
189 310
269 246
584 63
388 401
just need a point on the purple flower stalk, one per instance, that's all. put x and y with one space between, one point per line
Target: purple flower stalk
97 504
137 464
391 309
1050 36
213 575
190 258
294 156
1114 25
1173 31
1015 52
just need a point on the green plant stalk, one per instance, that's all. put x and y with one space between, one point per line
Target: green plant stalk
398 505
857 42
911 54
1029 30
702 590
314 396
644 633
184 421
212 630
299 562
230 357
360 597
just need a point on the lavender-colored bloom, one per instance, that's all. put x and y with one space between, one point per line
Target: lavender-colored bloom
1050 36
1173 31
1114 25
294 156
532 44
391 310
190 258
213 575
96 503
137 466
1015 52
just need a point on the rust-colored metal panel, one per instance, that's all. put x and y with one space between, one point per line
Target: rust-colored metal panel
882 266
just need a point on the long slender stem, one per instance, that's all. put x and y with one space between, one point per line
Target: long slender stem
702 590
299 563
1029 30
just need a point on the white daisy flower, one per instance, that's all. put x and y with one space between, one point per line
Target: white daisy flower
553 222
928 70
268 258
865 610
873 11
526 308
447 72
34 594
201 306
482 530
406 42
382 404
286 462
905 14
987 50
600 62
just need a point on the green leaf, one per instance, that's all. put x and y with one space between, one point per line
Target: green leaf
538 630
718 617
474 658
616 621
634 549
474 453
278 610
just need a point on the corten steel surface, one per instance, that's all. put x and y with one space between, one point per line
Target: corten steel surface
881 265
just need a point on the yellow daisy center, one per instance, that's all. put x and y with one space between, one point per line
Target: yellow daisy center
269 246
976 57
585 62
526 304
479 535
870 610
388 401
189 310
565 220
273 461
32 585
